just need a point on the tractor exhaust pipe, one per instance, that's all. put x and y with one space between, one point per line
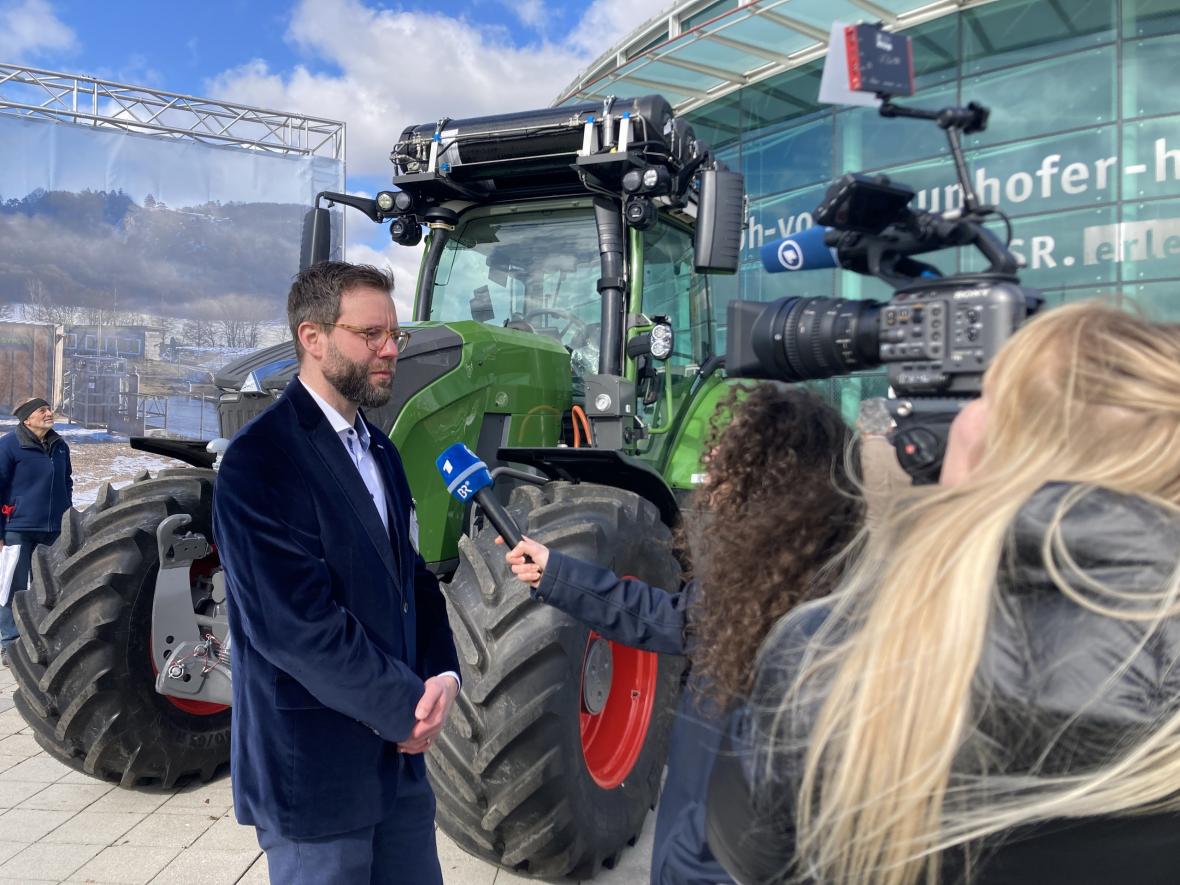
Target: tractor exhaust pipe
611 284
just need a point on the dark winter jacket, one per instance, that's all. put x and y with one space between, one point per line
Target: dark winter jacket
638 615
36 481
1059 695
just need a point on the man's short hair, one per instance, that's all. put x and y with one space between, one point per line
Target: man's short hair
315 295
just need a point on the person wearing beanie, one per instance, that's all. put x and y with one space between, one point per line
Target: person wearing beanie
36 488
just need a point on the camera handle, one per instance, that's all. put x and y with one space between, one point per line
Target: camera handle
968 120
888 256
922 429
1003 262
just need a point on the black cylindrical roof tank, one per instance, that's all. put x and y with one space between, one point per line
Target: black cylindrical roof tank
537 133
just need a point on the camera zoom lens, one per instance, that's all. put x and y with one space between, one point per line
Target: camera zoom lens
823 337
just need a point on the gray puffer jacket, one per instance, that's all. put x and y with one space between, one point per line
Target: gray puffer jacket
1060 687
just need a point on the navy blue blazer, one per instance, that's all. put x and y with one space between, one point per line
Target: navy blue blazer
636 614
334 625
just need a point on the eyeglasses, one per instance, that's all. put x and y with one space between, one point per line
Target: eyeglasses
375 338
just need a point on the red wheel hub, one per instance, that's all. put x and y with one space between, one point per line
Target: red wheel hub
202 568
618 696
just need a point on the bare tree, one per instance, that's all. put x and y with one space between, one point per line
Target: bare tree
43 309
199 333
241 319
169 328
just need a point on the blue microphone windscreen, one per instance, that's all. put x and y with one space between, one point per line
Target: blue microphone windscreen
805 250
462 471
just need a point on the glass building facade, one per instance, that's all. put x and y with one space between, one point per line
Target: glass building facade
1082 150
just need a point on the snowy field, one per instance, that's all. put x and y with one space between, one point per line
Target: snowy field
99 456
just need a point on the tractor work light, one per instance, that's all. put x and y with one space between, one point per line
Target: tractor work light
657 180
653 180
661 341
385 201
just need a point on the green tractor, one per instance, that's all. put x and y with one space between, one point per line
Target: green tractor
564 330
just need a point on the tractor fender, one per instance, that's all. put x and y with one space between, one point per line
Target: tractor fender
607 467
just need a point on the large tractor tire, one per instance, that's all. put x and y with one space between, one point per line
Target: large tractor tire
539 769
83 666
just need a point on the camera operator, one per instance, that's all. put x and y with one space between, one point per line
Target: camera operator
776 472
993 692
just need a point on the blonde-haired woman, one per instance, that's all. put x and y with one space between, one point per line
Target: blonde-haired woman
993 694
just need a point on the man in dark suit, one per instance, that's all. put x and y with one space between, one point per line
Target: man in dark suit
344 666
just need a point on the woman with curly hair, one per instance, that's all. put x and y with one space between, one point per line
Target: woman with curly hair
993 692
779 507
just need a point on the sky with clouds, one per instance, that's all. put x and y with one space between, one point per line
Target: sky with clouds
377 66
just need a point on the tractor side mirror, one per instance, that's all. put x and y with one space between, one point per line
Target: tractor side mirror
317 237
317 225
721 208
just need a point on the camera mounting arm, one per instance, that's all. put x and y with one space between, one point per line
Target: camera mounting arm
952 120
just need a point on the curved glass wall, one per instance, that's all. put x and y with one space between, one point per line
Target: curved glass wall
1082 151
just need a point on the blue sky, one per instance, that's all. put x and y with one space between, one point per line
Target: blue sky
161 45
378 66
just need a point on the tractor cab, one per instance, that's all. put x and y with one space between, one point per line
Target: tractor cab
594 227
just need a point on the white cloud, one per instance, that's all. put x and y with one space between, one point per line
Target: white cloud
395 68
402 260
31 27
606 22
530 12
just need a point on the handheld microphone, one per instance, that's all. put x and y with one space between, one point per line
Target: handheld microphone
467 477
805 250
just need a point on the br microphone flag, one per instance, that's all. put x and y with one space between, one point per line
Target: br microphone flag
805 250
462 471
468 478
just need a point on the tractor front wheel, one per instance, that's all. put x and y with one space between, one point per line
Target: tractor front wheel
83 665
555 749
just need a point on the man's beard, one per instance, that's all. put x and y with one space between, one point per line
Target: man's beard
351 380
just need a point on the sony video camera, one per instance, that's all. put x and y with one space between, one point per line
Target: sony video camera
936 335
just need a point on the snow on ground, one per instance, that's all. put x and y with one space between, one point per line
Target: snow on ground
100 456
115 463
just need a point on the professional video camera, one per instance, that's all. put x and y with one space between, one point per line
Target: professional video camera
936 334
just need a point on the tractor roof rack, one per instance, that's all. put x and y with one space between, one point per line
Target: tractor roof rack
547 152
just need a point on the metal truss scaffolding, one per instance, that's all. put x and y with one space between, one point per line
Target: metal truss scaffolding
49 95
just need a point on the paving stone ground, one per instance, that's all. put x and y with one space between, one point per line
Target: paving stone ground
60 826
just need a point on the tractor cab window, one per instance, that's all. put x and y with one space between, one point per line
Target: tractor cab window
672 290
536 272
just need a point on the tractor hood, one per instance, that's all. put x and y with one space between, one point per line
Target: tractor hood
250 384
